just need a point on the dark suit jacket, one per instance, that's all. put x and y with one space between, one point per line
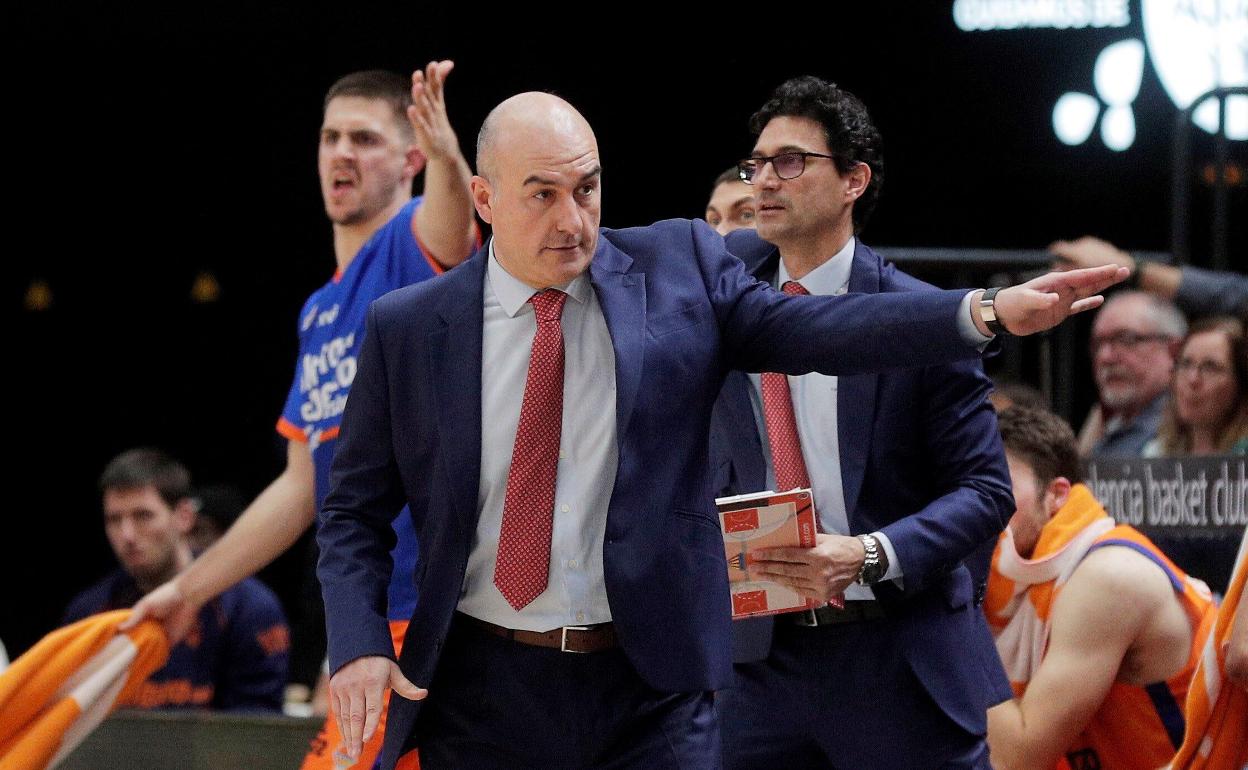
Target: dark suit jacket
922 462
681 312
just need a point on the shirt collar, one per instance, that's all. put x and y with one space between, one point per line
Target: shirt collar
828 278
513 294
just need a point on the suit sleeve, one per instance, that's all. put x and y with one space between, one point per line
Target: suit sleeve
355 533
1210 292
764 330
969 474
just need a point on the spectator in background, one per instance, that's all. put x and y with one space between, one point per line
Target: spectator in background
1196 291
731 206
1208 408
216 508
1135 338
235 655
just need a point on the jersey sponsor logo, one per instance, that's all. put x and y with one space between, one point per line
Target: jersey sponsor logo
328 317
174 692
274 640
306 323
326 377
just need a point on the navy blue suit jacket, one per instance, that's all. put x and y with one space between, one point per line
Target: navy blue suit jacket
922 462
682 312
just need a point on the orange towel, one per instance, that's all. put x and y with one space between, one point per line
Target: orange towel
1217 711
1135 727
52 697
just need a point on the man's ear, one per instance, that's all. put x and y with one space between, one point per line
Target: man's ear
857 180
1056 494
482 193
184 514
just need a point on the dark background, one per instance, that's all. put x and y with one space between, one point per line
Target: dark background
147 147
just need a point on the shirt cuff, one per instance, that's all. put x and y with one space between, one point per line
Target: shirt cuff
966 326
894 566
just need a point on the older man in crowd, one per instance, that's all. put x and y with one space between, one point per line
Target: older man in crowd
1135 339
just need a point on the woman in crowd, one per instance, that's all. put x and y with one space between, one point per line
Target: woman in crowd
1208 409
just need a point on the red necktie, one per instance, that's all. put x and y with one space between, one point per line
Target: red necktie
786 447
523 565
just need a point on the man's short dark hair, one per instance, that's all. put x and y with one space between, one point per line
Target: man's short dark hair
383 85
138 468
1042 440
731 175
852 137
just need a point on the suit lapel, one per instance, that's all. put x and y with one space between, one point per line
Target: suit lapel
855 395
622 296
455 368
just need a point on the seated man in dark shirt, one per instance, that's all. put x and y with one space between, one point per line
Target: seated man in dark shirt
235 656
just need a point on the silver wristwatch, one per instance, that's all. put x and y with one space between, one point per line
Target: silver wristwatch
875 564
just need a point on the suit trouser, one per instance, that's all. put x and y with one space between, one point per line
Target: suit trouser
495 703
839 696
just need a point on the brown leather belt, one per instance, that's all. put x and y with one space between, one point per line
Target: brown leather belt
566 639
855 611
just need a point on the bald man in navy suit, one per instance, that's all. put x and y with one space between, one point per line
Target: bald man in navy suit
607 503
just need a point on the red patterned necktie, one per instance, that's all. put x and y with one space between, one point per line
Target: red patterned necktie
786 447
523 564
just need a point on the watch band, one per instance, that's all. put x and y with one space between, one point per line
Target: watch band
988 312
874 565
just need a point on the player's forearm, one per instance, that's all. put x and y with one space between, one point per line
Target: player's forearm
270 525
1011 746
444 221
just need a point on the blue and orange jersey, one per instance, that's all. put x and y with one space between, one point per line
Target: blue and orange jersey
1143 726
235 658
331 328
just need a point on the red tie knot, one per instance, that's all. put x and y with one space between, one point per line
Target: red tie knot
548 304
793 287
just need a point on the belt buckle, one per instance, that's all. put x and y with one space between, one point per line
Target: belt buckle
563 640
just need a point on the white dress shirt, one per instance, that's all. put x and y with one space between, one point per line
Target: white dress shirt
814 407
576 593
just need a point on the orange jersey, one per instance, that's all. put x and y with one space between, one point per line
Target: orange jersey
1135 727
1217 710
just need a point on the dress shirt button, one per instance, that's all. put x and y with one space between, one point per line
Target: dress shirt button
580 617
572 564
563 454
564 508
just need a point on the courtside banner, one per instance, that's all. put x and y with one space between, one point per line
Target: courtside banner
1189 496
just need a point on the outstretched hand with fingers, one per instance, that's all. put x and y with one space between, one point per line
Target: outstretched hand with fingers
357 695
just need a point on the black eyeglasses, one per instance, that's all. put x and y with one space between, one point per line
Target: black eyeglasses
1125 340
788 165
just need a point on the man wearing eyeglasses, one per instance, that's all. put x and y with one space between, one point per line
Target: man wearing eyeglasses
1135 338
574 595
907 471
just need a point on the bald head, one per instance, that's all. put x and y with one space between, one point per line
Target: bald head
539 186
522 120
